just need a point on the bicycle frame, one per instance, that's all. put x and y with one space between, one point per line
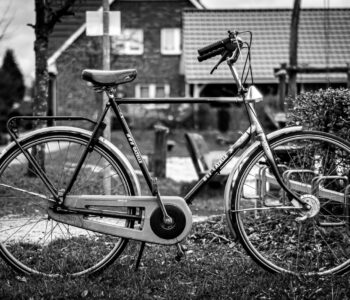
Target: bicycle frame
72 189
254 129
71 210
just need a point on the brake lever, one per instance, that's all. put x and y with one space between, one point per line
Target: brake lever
221 60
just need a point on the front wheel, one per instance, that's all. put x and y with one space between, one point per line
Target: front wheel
276 231
33 243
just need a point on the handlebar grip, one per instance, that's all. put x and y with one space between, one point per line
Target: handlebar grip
212 47
210 54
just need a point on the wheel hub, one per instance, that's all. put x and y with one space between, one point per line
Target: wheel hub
311 207
168 231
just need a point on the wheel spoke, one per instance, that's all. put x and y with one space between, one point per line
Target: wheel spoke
286 238
33 242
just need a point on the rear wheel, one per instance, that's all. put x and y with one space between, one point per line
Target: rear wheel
30 241
279 234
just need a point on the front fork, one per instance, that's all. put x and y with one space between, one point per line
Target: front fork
261 136
249 103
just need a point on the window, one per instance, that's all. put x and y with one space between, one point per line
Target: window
144 91
130 42
153 91
160 91
170 41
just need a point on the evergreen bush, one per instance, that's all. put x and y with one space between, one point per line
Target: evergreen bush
324 110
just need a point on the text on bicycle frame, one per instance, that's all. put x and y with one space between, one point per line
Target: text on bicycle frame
134 148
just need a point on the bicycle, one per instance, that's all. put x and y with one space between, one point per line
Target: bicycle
286 198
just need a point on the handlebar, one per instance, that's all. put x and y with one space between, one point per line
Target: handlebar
211 54
214 46
227 47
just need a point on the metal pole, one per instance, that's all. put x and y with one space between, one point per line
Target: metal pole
106 62
106 66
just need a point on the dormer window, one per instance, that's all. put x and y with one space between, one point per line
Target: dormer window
170 41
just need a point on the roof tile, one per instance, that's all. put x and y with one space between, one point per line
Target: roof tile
324 35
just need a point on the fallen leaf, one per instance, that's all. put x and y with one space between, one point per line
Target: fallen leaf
84 293
21 279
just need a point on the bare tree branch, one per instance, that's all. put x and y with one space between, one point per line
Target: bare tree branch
4 22
31 25
64 10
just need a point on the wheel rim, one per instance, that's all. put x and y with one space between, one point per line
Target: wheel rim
272 235
32 242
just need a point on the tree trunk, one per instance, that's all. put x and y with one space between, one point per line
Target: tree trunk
41 71
41 78
45 19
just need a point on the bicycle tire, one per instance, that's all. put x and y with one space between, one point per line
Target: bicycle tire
32 243
274 237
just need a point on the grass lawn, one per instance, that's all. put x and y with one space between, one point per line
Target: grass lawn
215 268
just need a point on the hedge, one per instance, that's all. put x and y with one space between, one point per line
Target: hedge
324 110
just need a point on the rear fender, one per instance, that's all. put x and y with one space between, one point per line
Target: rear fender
87 134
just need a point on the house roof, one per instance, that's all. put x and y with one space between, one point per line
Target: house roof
324 41
72 27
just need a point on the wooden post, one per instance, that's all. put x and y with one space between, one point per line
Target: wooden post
187 90
293 52
197 90
282 86
196 94
160 151
51 101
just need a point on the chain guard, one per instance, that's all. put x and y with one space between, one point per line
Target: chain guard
151 229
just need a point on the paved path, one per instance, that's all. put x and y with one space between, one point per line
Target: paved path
182 168
40 230
179 169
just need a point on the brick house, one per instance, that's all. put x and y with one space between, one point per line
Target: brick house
324 40
151 42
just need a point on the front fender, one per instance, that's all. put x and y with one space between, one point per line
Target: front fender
245 155
86 134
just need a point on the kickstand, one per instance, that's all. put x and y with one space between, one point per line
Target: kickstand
139 256
181 251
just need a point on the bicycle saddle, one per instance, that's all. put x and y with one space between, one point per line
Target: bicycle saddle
108 78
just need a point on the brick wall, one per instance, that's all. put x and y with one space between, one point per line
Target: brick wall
73 95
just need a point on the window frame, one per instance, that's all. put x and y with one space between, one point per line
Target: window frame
152 87
176 40
127 45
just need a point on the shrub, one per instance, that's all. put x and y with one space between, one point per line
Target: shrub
323 110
